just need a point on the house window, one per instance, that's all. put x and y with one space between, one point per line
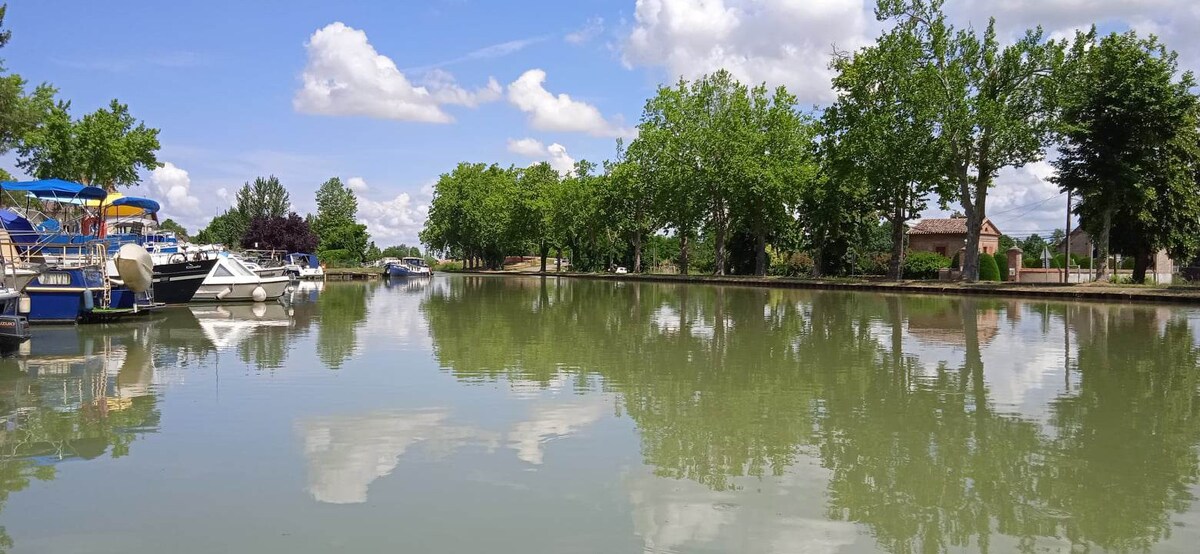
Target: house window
941 250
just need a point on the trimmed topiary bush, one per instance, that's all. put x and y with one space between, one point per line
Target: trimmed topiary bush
924 265
1001 264
987 268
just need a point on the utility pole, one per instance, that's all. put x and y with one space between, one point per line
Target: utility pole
1067 243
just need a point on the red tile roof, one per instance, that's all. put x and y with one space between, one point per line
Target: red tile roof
952 226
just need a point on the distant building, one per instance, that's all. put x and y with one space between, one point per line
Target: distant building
948 236
1081 243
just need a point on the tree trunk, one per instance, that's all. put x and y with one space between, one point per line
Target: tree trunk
1102 245
1140 263
683 254
896 264
976 208
545 252
760 254
720 230
637 252
558 261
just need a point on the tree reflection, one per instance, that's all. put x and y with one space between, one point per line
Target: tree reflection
730 382
341 308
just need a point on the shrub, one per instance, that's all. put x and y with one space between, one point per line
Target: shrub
339 258
924 265
1001 264
792 265
447 266
875 263
987 268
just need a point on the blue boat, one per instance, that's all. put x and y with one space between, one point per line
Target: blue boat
82 294
396 270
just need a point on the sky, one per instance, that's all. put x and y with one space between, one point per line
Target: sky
390 95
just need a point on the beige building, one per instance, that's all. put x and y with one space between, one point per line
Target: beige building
1081 245
948 236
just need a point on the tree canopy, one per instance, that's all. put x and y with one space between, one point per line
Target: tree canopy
1130 150
107 148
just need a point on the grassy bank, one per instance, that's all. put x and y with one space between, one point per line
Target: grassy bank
1091 291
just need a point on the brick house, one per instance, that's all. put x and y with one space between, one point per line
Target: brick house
948 236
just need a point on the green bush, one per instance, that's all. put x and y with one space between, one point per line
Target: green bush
875 263
987 268
792 265
339 258
447 266
924 265
1001 264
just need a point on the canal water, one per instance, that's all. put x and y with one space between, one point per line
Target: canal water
529 415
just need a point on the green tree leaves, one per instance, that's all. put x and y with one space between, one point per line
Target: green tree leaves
1130 149
107 148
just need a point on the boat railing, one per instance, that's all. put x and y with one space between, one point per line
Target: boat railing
24 255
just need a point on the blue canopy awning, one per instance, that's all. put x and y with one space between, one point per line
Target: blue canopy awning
137 202
57 190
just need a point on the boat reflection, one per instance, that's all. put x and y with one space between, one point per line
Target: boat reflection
73 394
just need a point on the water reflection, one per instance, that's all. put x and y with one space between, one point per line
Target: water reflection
937 423
346 453
72 395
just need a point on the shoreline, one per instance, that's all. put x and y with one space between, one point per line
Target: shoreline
1115 293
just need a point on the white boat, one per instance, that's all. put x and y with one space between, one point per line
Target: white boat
303 266
231 281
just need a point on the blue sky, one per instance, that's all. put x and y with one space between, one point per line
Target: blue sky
302 89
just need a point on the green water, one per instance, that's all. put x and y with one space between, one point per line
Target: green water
504 414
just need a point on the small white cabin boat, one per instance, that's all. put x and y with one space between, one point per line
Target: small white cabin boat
232 281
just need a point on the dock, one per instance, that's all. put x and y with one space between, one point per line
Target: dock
352 273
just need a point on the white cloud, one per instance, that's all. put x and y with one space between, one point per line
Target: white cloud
556 154
356 184
786 42
346 76
396 220
528 147
550 112
589 31
174 186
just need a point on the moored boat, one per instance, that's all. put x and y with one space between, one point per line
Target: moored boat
232 281
303 266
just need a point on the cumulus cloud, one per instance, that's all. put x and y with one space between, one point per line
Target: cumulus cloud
589 31
356 184
551 112
556 154
173 185
395 220
784 42
346 76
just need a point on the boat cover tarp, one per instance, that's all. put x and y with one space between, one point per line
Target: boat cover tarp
137 202
18 227
309 259
57 190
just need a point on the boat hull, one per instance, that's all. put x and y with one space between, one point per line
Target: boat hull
241 292
177 283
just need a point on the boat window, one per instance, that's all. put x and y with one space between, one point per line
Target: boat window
222 272
240 269
58 278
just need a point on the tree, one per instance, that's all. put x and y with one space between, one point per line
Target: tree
227 229
1130 149
107 148
170 225
990 103
532 221
265 198
290 234
20 112
340 237
881 134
